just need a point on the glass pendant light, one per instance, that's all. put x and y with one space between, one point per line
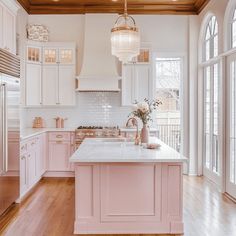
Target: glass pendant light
125 37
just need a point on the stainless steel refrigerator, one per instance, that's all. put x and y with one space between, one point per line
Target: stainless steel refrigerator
9 130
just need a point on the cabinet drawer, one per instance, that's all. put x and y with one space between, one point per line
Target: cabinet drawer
59 136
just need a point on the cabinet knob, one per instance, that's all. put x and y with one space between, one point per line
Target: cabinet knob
22 158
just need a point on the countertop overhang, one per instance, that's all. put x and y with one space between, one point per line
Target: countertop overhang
99 150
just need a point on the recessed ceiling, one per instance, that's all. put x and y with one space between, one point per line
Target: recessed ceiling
184 7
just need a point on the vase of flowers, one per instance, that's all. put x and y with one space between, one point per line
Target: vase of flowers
143 111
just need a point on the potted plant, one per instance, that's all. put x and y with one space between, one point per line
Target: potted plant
143 111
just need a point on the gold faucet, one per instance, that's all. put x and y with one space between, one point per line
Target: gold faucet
134 123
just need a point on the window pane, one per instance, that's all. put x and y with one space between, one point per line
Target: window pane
168 86
211 39
207 116
215 154
216 46
234 17
232 123
207 49
234 34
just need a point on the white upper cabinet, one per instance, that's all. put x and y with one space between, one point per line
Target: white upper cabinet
33 85
136 83
66 72
50 85
8 12
50 77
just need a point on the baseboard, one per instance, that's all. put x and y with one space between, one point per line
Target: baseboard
230 197
59 174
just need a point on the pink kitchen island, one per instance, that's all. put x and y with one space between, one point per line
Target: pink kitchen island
121 188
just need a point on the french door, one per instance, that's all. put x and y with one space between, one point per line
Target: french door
211 167
231 127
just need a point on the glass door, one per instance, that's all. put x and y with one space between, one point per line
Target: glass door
211 123
231 127
169 83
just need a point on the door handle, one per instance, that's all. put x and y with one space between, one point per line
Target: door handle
4 127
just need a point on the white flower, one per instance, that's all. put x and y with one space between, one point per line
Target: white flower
143 106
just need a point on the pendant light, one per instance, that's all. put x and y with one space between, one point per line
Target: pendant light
125 37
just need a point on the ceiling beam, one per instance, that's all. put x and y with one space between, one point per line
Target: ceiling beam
173 8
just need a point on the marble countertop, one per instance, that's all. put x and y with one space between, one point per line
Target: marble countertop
118 150
31 132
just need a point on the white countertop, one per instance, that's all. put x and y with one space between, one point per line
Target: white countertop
116 150
30 132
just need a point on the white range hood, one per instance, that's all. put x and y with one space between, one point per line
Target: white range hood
99 67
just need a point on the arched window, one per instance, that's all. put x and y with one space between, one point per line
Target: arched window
211 39
233 30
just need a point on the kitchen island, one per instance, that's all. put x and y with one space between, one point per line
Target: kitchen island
121 188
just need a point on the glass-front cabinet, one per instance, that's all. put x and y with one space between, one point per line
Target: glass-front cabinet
66 55
58 55
33 54
50 55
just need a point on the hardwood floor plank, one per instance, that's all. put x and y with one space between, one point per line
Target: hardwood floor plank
49 210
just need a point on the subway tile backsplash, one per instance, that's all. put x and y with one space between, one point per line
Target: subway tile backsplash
93 108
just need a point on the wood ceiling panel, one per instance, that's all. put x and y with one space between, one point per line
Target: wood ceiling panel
113 6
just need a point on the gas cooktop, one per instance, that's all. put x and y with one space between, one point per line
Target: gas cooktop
97 127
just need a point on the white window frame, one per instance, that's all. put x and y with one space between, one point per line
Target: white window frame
211 39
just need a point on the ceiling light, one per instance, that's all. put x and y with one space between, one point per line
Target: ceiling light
125 37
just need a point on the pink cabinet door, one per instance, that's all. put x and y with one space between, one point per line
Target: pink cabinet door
59 154
40 165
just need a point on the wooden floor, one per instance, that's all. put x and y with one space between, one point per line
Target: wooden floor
49 210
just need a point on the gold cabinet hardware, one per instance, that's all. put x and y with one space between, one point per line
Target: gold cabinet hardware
59 136
59 142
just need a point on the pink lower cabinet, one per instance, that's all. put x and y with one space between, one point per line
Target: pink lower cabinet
125 198
32 162
59 153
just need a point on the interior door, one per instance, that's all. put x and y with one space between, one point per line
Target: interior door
231 127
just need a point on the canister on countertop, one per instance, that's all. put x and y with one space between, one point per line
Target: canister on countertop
38 122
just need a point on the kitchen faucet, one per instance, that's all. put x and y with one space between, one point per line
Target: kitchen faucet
134 123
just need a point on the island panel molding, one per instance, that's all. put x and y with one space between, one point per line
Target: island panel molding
183 7
112 198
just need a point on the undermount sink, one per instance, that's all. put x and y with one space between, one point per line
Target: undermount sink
112 140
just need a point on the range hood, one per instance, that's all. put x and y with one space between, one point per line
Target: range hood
99 67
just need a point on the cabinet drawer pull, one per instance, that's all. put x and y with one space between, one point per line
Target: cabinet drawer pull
22 158
59 136
59 141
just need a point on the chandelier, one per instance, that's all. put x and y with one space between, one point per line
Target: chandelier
125 38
